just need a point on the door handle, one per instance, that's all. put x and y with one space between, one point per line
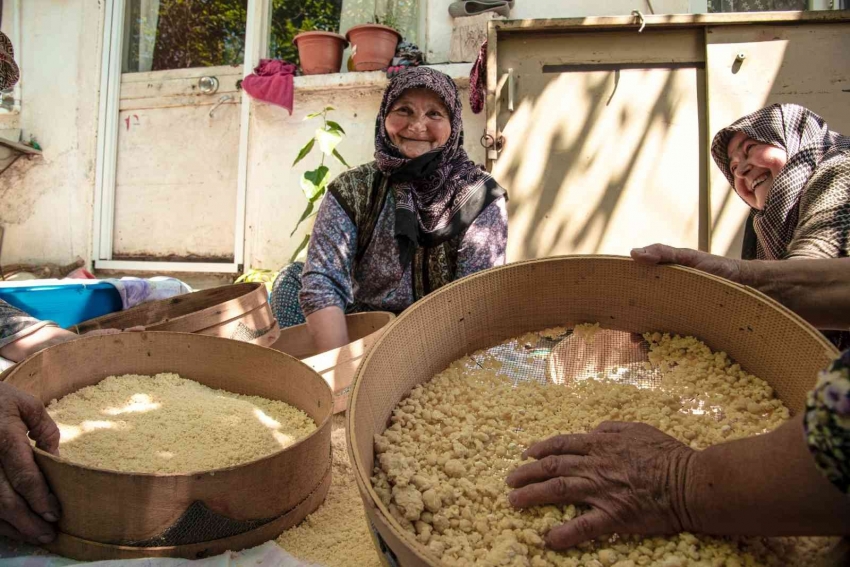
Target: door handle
511 90
222 100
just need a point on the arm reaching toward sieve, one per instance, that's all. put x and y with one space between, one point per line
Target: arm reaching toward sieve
22 335
817 290
715 265
638 480
26 505
328 329
40 339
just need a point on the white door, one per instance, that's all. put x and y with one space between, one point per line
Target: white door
169 198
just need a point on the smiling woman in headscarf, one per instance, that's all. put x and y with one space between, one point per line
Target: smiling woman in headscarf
794 173
393 230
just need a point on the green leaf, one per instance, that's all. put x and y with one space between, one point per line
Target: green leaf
328 109
313 182
304 216
318 196
300 248
335 127
340 158
328 141
304 151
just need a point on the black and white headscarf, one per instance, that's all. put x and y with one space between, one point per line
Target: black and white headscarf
9 73
808 141
438 194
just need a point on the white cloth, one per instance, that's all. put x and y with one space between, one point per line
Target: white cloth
267 555
135 291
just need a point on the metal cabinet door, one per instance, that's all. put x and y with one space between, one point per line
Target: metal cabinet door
604 140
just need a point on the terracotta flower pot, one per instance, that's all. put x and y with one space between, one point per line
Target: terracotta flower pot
373 46
320 52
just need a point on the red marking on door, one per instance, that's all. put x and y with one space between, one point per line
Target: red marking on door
136 121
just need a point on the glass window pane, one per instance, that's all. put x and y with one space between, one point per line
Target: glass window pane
290 17
402 15
756 5
180 34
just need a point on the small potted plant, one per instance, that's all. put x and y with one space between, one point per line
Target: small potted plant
373 45
320 51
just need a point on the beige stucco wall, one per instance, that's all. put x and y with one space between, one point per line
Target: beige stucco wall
46 203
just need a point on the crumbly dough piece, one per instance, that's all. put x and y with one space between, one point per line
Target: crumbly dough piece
455 438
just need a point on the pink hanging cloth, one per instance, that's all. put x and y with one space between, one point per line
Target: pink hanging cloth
478 81
272 82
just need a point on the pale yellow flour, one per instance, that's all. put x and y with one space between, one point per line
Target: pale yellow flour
167 424
336 534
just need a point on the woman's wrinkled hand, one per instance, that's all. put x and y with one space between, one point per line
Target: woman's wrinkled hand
27 507
631 475
728 268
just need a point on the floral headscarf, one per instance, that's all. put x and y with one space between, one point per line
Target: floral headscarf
808 141
439 194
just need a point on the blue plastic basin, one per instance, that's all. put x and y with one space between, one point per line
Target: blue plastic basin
64 304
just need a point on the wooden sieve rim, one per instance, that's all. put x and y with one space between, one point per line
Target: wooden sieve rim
198 550
362 481
246 296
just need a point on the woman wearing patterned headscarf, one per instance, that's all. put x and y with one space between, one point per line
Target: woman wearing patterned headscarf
391 231
794 173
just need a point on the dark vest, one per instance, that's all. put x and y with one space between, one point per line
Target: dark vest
362 193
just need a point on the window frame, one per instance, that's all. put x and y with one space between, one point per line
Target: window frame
257 36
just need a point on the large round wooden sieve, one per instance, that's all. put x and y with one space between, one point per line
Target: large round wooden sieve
336 366
483 310
238 311
108 514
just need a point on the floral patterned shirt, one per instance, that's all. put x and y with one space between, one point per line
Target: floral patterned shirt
378 282
827 422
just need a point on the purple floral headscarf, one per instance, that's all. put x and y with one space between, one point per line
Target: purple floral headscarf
439 194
